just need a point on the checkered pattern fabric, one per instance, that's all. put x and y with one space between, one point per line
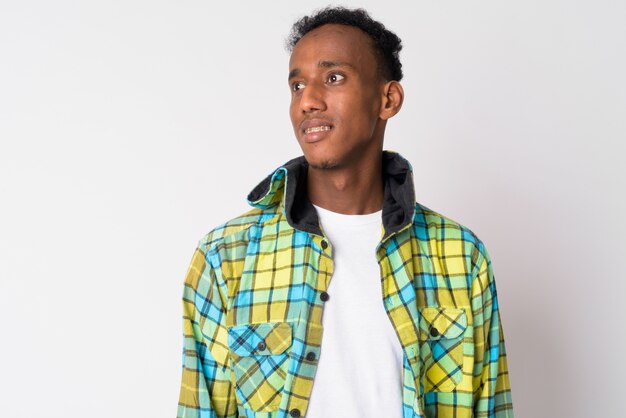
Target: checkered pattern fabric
259 357
441 349
256 288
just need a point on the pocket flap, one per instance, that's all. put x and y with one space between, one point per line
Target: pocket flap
438 323
258 339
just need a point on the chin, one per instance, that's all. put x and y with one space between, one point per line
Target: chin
321 163
324 165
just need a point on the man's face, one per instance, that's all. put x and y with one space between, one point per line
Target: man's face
336 95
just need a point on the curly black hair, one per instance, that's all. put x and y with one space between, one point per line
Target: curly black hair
386 44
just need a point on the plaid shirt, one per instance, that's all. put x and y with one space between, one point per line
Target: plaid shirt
256 288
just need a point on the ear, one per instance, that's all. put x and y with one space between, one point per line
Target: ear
393 96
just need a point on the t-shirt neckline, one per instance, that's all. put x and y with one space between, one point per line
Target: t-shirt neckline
345 219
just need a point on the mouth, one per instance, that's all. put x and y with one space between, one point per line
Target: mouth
317 129
314 130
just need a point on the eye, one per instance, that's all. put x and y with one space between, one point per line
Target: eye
334 78
298 85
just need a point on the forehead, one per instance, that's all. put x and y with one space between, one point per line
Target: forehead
334 42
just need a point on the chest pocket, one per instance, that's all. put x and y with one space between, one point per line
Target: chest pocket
441 332
259 354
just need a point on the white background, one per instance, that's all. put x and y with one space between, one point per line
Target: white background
128 129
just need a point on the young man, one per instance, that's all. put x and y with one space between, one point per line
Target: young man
338 295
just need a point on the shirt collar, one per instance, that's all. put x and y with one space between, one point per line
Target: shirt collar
286 186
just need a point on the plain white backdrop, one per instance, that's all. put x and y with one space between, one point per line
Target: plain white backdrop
128 129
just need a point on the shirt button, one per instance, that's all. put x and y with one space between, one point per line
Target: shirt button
324 296
310 356
324 244
295 413
434 332
261 346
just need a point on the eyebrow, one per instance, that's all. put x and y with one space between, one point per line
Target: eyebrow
332 64
322 64
293 73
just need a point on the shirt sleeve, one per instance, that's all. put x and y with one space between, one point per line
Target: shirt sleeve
492 391
206 389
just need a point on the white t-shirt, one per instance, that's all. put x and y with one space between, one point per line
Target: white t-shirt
359 374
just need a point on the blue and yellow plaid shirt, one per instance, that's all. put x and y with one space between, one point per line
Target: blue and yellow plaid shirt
256 288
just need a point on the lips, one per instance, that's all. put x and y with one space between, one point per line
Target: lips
315 129
315 125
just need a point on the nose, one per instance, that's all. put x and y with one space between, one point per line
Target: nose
312 98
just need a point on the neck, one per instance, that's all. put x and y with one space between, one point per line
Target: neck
351 190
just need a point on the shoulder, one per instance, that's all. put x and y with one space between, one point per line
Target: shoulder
447 233
237 228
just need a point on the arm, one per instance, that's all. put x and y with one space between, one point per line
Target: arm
206 389
492 391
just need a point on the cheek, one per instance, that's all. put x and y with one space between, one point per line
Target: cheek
365 102
293 110
363 113
294 116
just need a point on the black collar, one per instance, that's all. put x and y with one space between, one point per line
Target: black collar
287 186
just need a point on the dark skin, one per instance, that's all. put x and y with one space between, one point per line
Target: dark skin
340 104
